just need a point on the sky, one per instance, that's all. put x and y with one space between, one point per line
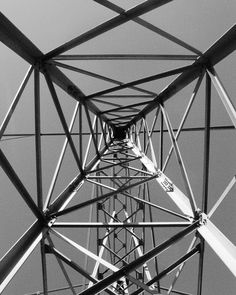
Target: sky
49 24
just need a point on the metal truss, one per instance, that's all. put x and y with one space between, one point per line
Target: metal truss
112 227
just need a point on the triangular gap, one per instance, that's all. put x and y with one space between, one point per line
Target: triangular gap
51 116
20 153
10 80
15 100
139 134
91 140
222 162
50 121
93 127
219 114
226 74
151 124
80 132
30 269
24 108
54 153
67 171
102 136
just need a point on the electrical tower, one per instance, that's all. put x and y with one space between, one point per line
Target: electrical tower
122 212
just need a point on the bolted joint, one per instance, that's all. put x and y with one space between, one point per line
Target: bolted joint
139 276
201 217
100 242
50 218
100 206
100 276
140 206
38 65
47 249
141 242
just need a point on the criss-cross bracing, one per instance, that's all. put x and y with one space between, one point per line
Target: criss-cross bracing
120 212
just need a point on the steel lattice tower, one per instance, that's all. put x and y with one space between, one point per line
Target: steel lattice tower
127 219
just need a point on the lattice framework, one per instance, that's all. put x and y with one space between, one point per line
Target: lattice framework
122 146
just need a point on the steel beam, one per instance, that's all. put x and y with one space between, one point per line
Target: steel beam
38 151
126 57
119 224
205 181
